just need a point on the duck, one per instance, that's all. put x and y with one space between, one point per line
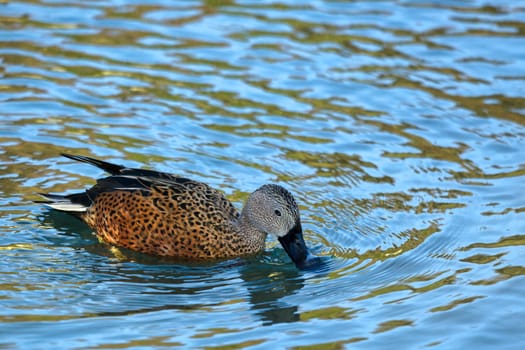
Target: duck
162 214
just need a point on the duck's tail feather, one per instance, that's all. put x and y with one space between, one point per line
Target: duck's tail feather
73 203
113 169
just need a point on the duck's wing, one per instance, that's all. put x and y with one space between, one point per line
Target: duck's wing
176 189
142 181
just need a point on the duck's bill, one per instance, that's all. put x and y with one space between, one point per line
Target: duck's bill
293 244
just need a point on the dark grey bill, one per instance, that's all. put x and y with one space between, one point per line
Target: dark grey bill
293 244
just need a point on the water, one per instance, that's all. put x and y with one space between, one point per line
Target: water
398 125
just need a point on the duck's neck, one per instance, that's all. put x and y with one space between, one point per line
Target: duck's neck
254 238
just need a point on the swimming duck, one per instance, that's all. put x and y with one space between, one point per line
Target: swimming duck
161 214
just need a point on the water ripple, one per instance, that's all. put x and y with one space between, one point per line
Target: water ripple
397 125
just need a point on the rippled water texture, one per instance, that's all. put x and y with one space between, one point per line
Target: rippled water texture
398 125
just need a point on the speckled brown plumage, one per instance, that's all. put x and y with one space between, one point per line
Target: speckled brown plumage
162 214
189 220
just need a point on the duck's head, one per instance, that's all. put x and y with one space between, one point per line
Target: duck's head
272 209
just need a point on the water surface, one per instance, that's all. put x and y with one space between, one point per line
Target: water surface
398 125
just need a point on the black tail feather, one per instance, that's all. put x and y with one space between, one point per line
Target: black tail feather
113 169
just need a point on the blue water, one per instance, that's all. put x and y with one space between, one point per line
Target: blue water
398 125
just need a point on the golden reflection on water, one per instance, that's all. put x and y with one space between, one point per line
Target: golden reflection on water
400 136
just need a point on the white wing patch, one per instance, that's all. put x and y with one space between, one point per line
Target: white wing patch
61 203
67 206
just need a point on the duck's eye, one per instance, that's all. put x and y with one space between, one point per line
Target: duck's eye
277 212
